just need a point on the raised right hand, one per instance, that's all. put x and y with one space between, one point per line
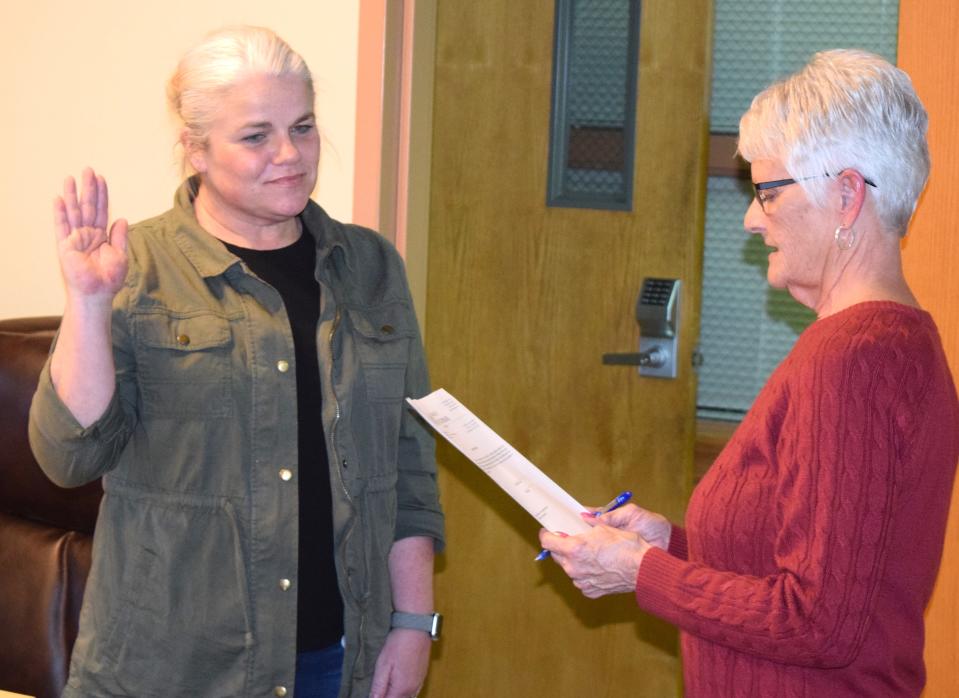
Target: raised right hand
654 528
93 261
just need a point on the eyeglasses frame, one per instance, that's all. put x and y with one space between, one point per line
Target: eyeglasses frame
776 183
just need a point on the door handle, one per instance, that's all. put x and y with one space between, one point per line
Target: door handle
657 314
654 358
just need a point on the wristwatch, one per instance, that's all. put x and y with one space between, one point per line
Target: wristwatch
427 622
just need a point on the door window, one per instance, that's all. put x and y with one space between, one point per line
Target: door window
746 327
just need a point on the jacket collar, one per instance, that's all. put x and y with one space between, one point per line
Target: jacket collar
211 258
330 235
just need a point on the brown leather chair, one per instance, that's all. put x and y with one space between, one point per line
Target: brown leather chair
45 531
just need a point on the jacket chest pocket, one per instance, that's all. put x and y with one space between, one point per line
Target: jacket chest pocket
183 364
382 336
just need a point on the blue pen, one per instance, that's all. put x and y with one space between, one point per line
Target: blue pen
620 500
616 503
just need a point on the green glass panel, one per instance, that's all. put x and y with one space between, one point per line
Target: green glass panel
756 43
747 328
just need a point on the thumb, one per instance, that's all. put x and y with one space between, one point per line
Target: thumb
118 234
381 680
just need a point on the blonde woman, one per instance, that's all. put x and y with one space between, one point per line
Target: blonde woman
235 369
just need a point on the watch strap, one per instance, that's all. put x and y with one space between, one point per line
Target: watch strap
427 622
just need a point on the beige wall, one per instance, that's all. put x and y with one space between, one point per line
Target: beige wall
83 83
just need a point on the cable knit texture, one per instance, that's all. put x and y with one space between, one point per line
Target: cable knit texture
812 544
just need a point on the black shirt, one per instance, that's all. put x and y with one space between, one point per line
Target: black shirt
290 270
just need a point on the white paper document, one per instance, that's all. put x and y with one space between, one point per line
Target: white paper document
546 501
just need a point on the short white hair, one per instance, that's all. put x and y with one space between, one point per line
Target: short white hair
845 109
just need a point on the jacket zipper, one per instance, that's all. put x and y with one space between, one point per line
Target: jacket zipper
339 475
336 404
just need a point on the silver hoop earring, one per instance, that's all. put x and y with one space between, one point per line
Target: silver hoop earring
845 237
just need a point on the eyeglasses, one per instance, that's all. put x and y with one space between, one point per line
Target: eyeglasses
760 188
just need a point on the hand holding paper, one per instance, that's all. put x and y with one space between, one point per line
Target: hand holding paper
615 503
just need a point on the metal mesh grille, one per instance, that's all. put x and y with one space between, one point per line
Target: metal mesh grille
759 41
747 328
598 86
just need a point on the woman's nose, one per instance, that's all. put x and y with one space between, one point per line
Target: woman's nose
752 220
286 151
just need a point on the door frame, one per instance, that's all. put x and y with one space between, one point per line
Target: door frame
394 129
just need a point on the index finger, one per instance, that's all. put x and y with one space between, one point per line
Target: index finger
618 517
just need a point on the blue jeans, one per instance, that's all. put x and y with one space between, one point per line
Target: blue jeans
318 673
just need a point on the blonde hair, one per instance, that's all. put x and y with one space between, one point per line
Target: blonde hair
845 109
215 65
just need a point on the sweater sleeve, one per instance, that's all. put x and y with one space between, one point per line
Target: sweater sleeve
677 543
837 476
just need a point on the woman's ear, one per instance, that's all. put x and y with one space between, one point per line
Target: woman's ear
194 152
852 196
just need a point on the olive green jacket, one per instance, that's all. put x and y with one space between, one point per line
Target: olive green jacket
192 591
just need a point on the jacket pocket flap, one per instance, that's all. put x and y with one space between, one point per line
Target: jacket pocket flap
182 333
383 323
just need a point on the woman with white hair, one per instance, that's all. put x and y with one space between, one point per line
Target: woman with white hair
235 369
811 546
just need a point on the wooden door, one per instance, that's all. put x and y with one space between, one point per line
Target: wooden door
522 302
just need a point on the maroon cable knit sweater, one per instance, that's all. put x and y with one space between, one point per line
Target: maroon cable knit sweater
812 544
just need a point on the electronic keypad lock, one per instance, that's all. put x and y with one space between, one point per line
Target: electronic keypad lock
657 313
